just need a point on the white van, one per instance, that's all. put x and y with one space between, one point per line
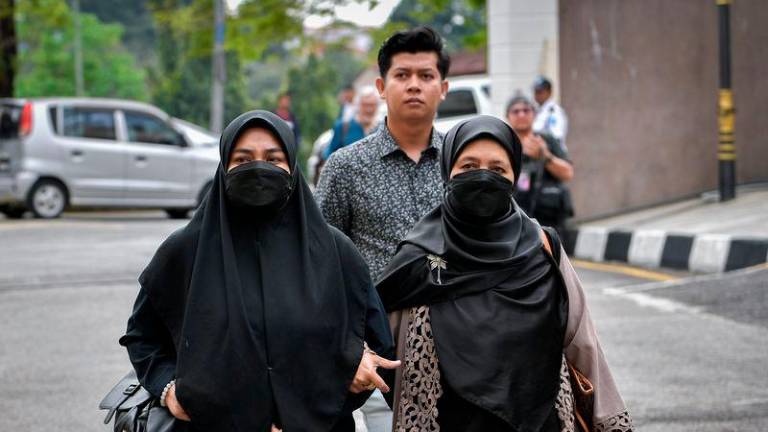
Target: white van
61 152
468 96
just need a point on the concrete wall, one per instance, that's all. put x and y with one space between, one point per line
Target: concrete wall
639 81
522 43
749 41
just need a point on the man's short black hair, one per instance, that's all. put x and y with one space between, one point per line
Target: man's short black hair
542 83
415 40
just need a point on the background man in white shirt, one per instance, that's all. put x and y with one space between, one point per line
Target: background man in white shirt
551 118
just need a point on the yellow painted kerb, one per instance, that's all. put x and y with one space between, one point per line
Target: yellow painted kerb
623 269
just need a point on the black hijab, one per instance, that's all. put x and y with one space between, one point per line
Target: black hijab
498 308
267 313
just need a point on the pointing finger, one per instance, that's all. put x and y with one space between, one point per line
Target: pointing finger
387 364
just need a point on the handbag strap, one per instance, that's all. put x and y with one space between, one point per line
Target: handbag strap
127 393
554 242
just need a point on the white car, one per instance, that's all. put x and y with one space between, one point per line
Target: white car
61 152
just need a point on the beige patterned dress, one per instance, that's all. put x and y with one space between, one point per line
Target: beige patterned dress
417 383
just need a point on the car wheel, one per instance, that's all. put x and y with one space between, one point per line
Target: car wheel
47 199
177 213
13 212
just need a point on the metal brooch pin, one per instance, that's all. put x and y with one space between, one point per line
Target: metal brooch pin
436 262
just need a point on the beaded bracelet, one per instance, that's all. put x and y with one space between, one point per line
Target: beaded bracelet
164 394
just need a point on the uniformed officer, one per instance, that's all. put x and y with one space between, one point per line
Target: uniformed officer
551 118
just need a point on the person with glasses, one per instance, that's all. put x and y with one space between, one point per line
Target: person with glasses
546 167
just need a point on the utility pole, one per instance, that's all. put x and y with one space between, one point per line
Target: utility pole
8 51
219 69
78 50
726 149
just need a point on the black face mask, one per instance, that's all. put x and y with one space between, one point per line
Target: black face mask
480 194
259 186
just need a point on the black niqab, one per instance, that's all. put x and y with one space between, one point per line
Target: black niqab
267 312
497 304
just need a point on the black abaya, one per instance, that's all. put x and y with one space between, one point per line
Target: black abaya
260 318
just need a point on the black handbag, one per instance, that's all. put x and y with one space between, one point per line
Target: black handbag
554 201
135 409
551 198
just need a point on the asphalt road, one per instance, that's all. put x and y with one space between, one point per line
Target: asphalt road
688 355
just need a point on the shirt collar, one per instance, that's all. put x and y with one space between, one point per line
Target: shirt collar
388 145
547 104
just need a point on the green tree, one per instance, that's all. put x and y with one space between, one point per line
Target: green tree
180 80
461 23
257 34
313 87
139 36
46 60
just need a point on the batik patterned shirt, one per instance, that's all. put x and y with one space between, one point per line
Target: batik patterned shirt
374 193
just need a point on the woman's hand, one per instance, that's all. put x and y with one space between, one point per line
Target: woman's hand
174 406
534 146
275 429
366 377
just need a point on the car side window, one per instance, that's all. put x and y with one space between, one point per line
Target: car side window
146 128
98 123
9 121
457 103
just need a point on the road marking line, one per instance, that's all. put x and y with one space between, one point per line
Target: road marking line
36 224
624 269
659 303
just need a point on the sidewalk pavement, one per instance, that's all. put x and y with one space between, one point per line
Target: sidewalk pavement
698 235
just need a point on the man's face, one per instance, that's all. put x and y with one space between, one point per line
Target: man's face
367 107
347 95
284 102
541 95
413 87
520 116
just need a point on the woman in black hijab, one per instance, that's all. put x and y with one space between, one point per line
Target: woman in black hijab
255 315
480 308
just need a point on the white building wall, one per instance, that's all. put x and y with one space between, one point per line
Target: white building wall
522 43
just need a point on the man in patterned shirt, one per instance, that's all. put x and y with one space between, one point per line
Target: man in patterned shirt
378 188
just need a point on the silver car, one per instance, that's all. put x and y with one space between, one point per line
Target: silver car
90 152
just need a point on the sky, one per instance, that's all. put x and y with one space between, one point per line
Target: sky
353 12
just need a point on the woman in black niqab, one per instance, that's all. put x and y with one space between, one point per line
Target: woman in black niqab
257 308
486 305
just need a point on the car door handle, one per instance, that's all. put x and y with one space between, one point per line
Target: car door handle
76 153
141 158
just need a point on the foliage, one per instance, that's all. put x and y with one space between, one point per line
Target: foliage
252 30
46 58
139 36
265 45
462 23
312 87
